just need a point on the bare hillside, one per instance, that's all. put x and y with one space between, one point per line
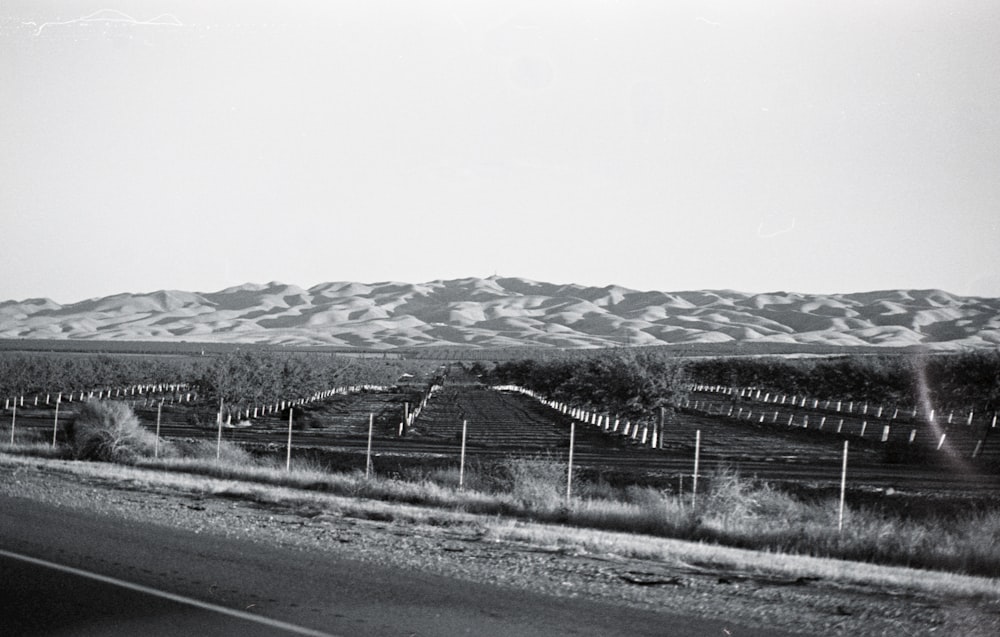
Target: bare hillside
500 312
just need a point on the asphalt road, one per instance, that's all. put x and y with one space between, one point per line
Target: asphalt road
43 598
156 580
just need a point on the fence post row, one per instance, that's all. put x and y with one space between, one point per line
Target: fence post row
858 409
651 433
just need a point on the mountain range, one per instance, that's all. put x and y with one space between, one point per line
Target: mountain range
509 312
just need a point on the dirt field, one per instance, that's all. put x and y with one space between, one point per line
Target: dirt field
500 424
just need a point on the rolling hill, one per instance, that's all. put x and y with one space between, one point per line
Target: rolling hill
501 312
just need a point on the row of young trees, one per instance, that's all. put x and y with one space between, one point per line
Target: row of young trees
242 377
257 377
35 373
946 380
632 383
637 382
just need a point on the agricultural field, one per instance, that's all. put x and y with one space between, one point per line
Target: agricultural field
417 418
646 440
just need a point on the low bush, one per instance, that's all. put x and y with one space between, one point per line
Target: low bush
109 431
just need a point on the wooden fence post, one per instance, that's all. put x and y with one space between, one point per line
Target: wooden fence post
288 458
569 467
55 424
218 442
156 442
843 489
697 457
368 455
461 462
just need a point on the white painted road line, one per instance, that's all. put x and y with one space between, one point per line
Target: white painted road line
266 621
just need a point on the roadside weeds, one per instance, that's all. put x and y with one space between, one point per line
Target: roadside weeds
309 503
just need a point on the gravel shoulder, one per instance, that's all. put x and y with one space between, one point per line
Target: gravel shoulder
472 549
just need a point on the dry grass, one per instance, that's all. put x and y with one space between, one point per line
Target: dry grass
34 449
697 556
731 510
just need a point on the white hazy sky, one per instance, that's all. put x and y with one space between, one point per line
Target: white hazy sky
752 145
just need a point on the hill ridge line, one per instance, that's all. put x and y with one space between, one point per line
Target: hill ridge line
509 312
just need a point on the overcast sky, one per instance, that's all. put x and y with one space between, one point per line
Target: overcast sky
758 146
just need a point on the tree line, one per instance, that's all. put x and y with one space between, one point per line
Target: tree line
968 379
632 383
241 377
36 373
637 382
